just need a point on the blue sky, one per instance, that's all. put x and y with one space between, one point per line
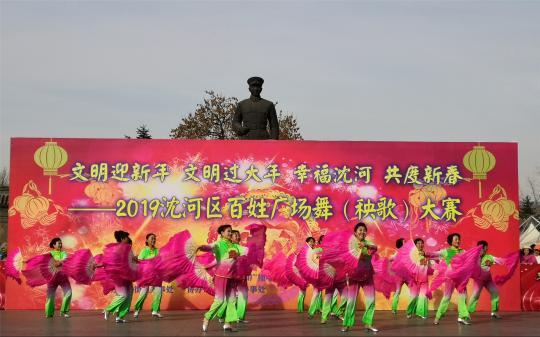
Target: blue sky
394 70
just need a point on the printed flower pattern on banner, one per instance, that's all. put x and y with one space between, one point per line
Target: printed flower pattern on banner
34 208
495 211
103 194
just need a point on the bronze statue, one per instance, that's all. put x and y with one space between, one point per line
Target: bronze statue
255 116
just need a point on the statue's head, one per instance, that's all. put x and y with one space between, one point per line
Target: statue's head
255 85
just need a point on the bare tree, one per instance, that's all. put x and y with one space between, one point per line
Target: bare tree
4 177
212 120
532 186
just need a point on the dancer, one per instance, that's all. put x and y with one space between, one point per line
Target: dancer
225 252
293 275
414 264
330 307
251 255
399 283
454 241
58 280
116 258
486 281
241 285
361 277
148 252
316 296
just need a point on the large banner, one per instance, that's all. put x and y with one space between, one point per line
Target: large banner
82 190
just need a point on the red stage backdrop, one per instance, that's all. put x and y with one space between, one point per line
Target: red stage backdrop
82 190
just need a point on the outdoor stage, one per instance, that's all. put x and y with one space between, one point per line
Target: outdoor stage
261 323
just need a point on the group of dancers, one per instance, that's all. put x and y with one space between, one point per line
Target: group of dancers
221 269
410 265
336 266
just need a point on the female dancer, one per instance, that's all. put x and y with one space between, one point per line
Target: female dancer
59 280
293 275
251 256
226 253
454 241
148 252
364 280
316 297
241 284
330 307
123 287
485 281
399 283
418 303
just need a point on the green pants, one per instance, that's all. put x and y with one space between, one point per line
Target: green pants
224 300
241 299
156 301
330 302
449 287
352 294
300 301
241 293
335 308
418 303
51 294
316 302
395 300
122 301
477 289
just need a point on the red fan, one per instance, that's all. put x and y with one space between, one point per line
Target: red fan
383 278
438 280
464 266
40 270
14 265
119 262
255 243
342 250
243 266
102 277
201 276
407 264
339 250
327 275
177 257
511 262
274 270
149 274
309 266
293 274
307 262
80 266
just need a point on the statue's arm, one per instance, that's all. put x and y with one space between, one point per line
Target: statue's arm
237 122
274 123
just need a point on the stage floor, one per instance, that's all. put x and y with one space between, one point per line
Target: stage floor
261 323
